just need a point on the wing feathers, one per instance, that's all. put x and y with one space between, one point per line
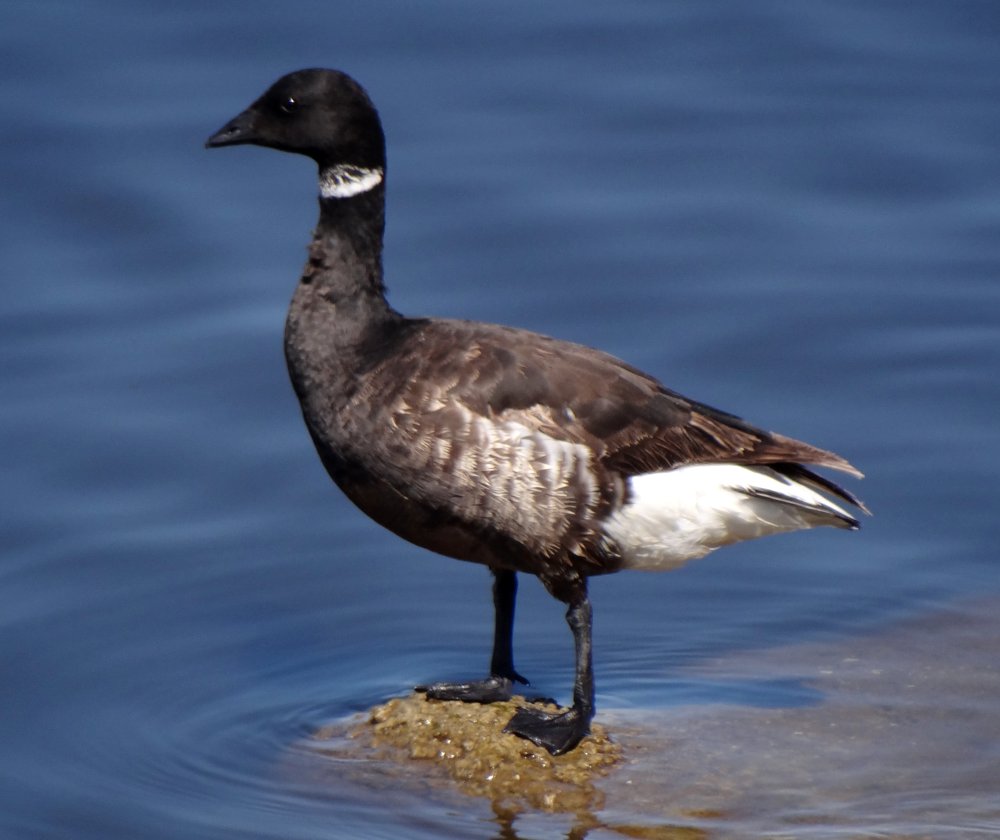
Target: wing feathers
492 376
631 422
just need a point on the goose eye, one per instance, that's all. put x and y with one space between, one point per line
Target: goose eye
290 105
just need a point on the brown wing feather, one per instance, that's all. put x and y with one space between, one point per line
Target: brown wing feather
630 420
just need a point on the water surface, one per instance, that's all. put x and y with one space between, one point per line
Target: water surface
787 210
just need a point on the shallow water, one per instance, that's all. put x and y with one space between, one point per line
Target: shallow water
786 210
888 740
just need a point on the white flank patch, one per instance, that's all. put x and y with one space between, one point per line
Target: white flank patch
344 180
685 513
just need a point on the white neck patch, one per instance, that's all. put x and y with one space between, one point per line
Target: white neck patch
344 180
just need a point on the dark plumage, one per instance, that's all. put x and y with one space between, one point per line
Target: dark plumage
496 445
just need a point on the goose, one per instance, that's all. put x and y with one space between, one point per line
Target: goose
500 446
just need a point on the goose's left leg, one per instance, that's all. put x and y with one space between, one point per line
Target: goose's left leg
499 684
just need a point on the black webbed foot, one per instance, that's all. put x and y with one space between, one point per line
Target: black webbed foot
498 686
493 689
558 732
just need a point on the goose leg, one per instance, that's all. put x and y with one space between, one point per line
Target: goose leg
559 733
499 684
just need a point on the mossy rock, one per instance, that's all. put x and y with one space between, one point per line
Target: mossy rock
465 743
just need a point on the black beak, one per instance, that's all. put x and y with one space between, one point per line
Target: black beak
237 131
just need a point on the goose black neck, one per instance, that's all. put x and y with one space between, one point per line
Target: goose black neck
339 312
345 257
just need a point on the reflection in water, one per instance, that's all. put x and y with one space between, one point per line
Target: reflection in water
583 824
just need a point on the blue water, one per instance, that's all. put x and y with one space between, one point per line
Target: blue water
788 210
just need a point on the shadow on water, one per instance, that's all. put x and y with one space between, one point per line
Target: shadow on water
898 740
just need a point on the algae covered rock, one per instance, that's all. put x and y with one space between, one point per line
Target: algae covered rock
464 743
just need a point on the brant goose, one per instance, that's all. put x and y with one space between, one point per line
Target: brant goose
496 445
